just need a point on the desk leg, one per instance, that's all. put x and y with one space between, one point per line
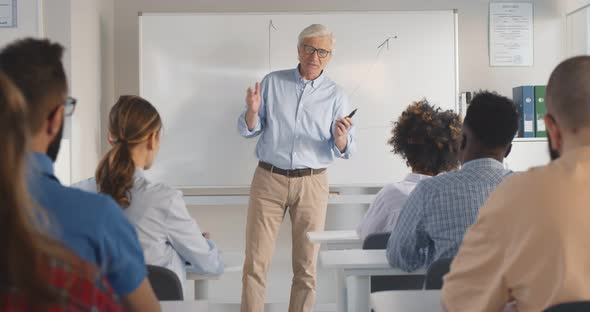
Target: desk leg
358 293
341 291
201 289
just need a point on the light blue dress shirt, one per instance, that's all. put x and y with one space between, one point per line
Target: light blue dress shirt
439 211
296 121
169 236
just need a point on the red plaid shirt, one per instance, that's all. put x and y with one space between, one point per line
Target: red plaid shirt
83 289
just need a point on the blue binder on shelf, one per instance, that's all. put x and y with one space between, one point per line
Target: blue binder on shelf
524 99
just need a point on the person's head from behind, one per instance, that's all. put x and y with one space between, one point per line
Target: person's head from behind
134 134
314 49
490 124
35 67
427 138
23 262
568 106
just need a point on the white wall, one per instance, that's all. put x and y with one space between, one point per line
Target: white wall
91 80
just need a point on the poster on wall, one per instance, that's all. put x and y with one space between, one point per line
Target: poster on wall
8 13
511 34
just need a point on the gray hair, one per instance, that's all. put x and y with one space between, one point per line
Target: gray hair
316 30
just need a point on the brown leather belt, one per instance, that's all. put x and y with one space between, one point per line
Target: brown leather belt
298 173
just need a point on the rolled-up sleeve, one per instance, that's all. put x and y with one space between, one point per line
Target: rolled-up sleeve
186 238
260 123
342 110
243 126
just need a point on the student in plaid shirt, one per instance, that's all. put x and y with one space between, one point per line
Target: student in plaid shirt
36 273
437 214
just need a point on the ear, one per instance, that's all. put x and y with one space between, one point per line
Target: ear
508 150
554 132
151 141
463 142
55 121
111 139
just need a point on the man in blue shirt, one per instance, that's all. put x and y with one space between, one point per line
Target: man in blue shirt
439 211
300 117
92 226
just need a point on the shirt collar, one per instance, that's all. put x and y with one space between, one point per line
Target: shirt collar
139 173
41 162
415 177
314 83
483 163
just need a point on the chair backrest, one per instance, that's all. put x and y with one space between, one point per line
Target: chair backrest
435 273
382 283
580 306
165 283
376 241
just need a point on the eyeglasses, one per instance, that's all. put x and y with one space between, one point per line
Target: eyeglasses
70 106
309 50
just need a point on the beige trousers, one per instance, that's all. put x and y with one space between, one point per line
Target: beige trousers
271 196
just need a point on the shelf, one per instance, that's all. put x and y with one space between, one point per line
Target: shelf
530 140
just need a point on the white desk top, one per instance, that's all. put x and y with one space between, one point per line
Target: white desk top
184 306
354 259
406 301
358 259
340 237
191 276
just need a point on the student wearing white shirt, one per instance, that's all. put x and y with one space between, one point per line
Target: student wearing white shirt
168 235
428 139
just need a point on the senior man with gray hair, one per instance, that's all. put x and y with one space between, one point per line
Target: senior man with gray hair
301 117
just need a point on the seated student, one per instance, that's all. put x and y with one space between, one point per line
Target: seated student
91 225
435 217
167 233
529 244
36 274
427 139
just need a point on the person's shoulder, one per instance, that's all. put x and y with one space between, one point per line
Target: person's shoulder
88 185
527 180
144 188
279 74
96 206
439 181
391 189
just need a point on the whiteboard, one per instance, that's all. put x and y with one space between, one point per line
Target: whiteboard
195 68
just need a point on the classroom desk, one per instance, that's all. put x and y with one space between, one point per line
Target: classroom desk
202 281
336 240
406 301
354 269
184 306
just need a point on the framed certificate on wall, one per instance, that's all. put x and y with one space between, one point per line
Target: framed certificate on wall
8 16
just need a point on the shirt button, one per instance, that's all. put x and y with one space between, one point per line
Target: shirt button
295 154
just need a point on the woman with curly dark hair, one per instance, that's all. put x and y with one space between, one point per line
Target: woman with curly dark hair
427 138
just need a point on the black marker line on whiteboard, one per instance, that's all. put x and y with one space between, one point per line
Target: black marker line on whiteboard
271 26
